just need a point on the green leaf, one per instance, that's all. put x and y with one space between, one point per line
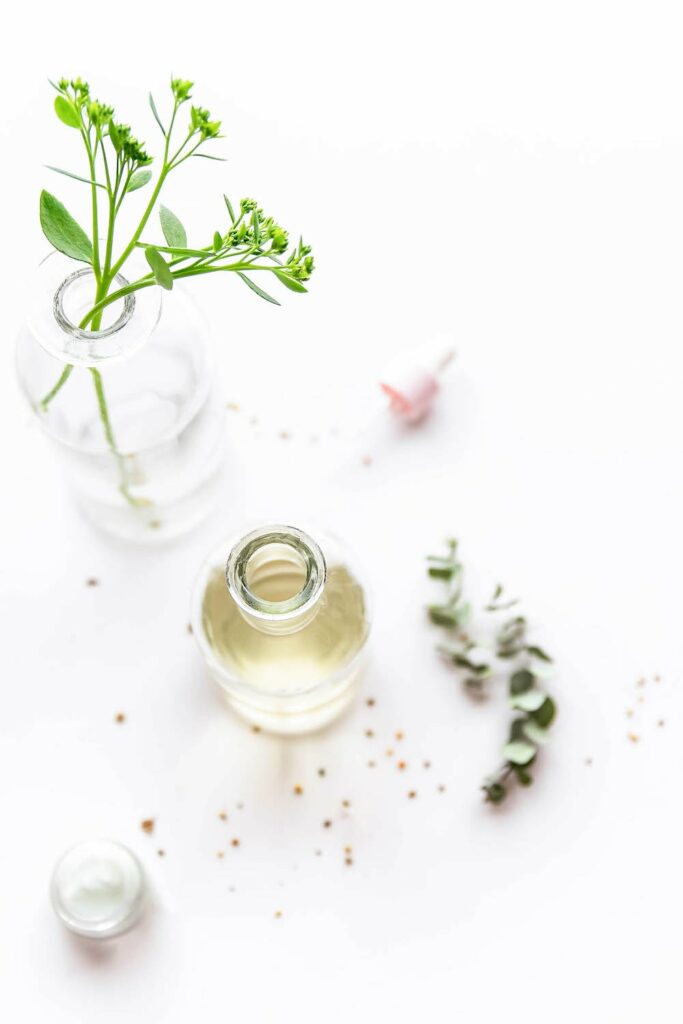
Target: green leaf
443 615
62 231
255 288
538 652
531 700
217 241
173 230
115 137
230 209
523 776
289 282
156 115
546 713
66 112
536 733
519 752
138 179
495 792
77 177
521 681
162 275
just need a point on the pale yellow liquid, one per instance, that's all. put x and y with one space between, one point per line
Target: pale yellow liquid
296 661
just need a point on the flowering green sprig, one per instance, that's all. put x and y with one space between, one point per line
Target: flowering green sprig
534 709
118 165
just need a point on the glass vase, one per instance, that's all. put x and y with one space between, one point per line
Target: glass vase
132 409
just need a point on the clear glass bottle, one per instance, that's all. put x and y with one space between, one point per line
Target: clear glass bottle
283 627
131 408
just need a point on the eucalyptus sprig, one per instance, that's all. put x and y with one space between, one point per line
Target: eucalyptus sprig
118 165
509 655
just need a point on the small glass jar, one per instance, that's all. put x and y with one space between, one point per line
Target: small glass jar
98 889
283 627
132 408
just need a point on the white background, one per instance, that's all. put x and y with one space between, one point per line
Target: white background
509 172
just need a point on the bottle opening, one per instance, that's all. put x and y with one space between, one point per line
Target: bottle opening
75 298
276 577
276 572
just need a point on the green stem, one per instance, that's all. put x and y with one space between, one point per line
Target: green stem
66 373
124 486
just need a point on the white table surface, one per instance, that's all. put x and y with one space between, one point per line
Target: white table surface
507 172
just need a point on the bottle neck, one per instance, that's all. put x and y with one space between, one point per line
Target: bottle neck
63 298
276 577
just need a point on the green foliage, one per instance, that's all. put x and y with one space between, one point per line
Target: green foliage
67 112
162 274
173 230
118 164
535 710
62 231
139 179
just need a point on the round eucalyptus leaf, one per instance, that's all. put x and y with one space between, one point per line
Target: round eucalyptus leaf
546 713
532 700
536 733
519 752
521 681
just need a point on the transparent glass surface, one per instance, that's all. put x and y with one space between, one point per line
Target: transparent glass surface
98 889
282 620
138 424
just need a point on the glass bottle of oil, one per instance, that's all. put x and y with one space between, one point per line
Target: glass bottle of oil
283 627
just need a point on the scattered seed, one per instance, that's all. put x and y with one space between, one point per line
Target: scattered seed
234 842
232 406
223 815
657 679
298 790
348 861
348 849
640 682
441 788
161 853
284 435
318 853
327 823
660 722
371 764
367 460
346 803
398 735
370 702
256 728
629 712
412 794
389 752
369 733
220 854
426 764
92 581
634 737
147 825
589 761
278 913
120 718
401 766
189 628
322 772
